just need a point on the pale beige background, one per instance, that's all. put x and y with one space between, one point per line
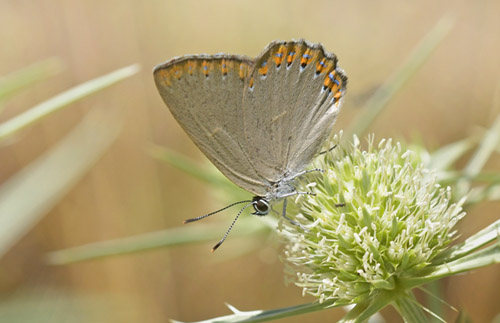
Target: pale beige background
129 193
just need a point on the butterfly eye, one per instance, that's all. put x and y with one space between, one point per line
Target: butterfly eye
261 206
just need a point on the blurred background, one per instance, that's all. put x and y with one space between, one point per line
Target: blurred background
122 191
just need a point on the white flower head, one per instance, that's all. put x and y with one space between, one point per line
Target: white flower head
378 217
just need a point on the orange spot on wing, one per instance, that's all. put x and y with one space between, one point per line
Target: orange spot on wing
291 56
327 83
204 68
279 56
224 67
336 85
330 79
165 75
177 71
320 65
263 69
190 67
306 57
243 70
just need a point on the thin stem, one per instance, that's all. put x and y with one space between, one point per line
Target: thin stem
410 309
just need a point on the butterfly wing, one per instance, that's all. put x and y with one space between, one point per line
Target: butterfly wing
290 103
204 94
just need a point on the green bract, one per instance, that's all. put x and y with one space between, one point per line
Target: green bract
378 218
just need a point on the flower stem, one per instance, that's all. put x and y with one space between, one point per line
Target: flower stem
409 309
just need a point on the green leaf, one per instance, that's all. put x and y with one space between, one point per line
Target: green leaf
484 257
474 242
463 317
484 193
410 309
187 165
159 239
362 311
393 84
435 300
445 156
20 79
450 177
62 100
207 174
487 146
42 304
486 177
264 316
26 196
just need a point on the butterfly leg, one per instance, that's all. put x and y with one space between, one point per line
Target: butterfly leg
290 220
307 171
297 193
312 194
314 169
283 214
274 211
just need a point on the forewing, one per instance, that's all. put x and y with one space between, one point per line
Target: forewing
290 104
204 94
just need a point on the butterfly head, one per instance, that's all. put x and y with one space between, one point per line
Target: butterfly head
260 205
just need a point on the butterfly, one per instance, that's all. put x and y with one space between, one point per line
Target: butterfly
260 120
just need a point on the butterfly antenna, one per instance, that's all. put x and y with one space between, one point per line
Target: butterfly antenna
327 151
214 212
231 226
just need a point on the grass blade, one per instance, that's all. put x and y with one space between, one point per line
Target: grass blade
410 309
481 258
209 175
186 165
474 242
62 100
487 146
264 316
445 156
20 79
34 190
153 240
384 94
